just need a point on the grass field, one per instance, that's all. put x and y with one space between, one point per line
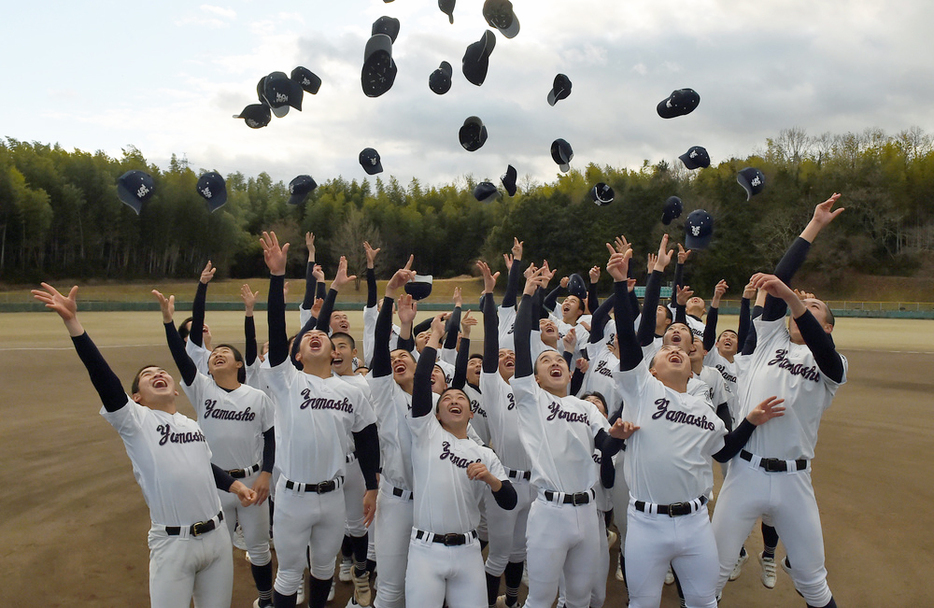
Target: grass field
74 523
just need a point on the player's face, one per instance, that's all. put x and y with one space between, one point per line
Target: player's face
552 372
548 329
403 365
572 307
454 409
679 334
474 367
438 381
222 359
422 339
671 363
340 322
695 306
342 363
819 310
596 401
698 352
728 344
363 371
315 345
155 386
661 316
507 363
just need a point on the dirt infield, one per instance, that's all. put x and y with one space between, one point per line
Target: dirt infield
74 522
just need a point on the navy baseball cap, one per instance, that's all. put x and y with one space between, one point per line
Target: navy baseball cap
476 59
562 154
499 14
602 194
386 25
255 115
419 287
306 79
752 180
369 160
698 229
440 79
134 188
300 188
472 134
577 287
559 90
695 157
447 7
211 186
379 70
509 180
281 92
679 103
673 209
485 192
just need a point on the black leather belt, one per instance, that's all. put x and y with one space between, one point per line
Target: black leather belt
674 509
400 493
319 488
515 474
448 540
776 465
241 473
581 498
197 529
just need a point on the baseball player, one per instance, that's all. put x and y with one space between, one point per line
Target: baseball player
371 310
238 424
317 415
198 345
560 433
189 550
450 473
666 461
774 475
694 305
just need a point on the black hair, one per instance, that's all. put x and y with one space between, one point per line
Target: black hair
450 388
341 334
134 387
241 373
184 328
599 396
475 356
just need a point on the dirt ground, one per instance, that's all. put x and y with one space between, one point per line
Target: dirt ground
73 521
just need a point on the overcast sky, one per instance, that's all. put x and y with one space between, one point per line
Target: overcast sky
167 76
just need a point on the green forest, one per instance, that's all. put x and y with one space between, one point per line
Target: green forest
60 216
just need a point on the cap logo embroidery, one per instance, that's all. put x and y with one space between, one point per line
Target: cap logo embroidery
756 181
206 192
143 191
281 97
695 230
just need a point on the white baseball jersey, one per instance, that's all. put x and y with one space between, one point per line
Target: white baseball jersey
507 322
603 497
504 421
779 367
446 500
599 376
480 421
726 368
370 314
392 406
667 459
558 435
171 463
694 324
199 355
233 422
315 418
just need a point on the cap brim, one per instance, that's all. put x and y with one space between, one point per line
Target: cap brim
512 30
565 167
126 197
697 242
217 201
373 169
280 111
552 98
296 199
664 111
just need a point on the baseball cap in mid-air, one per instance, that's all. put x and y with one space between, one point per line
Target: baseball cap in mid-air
695 157
679 103
440 79
509 180
379 70
306 79
369 160
281 92
447 7
562 154
485 192
577 287
752 180
559 90
386 25
135 188
211 186
300 188
476 61
472 134
602 194
698 229
673 209
419 287
499 14
256 115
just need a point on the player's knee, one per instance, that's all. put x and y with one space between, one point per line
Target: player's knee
259 556
288 581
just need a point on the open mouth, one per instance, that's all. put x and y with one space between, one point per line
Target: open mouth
555 372
337 361
160 383
315 342
399 368
455 409
675 357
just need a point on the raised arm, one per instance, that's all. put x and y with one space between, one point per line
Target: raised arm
710 329
490 320
749 292
593 301
276 258
197 307
340 281
176 345
422 400
524 320
381 362
630 352
104 380
371 254
683 255
311 281
249 327
515 271
652 290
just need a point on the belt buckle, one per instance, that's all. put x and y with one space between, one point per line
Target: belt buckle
452 540
774 465
322 488
675 508
581 498
197 529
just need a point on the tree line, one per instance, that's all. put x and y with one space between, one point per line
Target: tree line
60 215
